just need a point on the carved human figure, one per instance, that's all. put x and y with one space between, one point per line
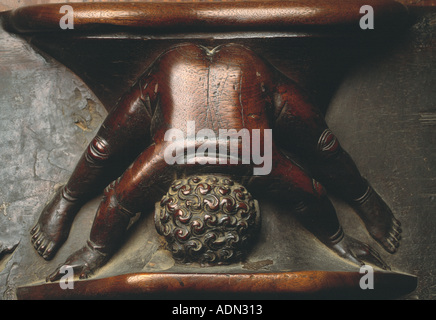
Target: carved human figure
227 87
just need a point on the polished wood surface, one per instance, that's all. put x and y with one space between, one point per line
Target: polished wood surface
13 4
302 284
211 17
206 16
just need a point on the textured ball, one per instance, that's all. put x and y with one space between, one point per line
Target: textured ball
207 219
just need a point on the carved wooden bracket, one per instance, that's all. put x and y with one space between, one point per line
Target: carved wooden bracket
210 16
206 67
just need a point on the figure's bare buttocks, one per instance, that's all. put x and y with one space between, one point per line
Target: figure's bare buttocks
227 87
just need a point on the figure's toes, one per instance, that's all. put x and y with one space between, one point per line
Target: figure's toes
82 270
85 274
359 253
395 238
83 263
37 236
371 256
395 235
388 238
353 259
397 223
378 261
390 244
49 251
396 227
42 244
37 239
35 229
35 233
392 241
55 275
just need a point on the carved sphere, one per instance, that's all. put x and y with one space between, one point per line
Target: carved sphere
207 219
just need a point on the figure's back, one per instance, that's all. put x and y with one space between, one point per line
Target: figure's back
227 87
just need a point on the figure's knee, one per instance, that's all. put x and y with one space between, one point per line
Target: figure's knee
318 189
328 145
312 191
98 151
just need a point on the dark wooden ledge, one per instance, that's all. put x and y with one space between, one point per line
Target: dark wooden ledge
205 16
304 284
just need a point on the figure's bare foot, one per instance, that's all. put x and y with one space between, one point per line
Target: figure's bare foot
83 263
356 251
53 226
379 220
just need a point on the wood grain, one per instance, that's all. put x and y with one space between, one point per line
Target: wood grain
13 4
298 284
206 16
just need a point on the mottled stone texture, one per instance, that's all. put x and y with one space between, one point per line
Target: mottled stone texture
47 118
384 113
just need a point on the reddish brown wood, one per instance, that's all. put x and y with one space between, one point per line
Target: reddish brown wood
295 284
217 87
226 87
207 16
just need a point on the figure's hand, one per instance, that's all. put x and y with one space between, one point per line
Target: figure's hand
83 262
358 252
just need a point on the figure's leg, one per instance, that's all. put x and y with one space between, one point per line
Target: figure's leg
136 191
301 129
122 136
293 187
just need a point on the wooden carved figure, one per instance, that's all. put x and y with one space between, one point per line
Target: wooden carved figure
196 89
